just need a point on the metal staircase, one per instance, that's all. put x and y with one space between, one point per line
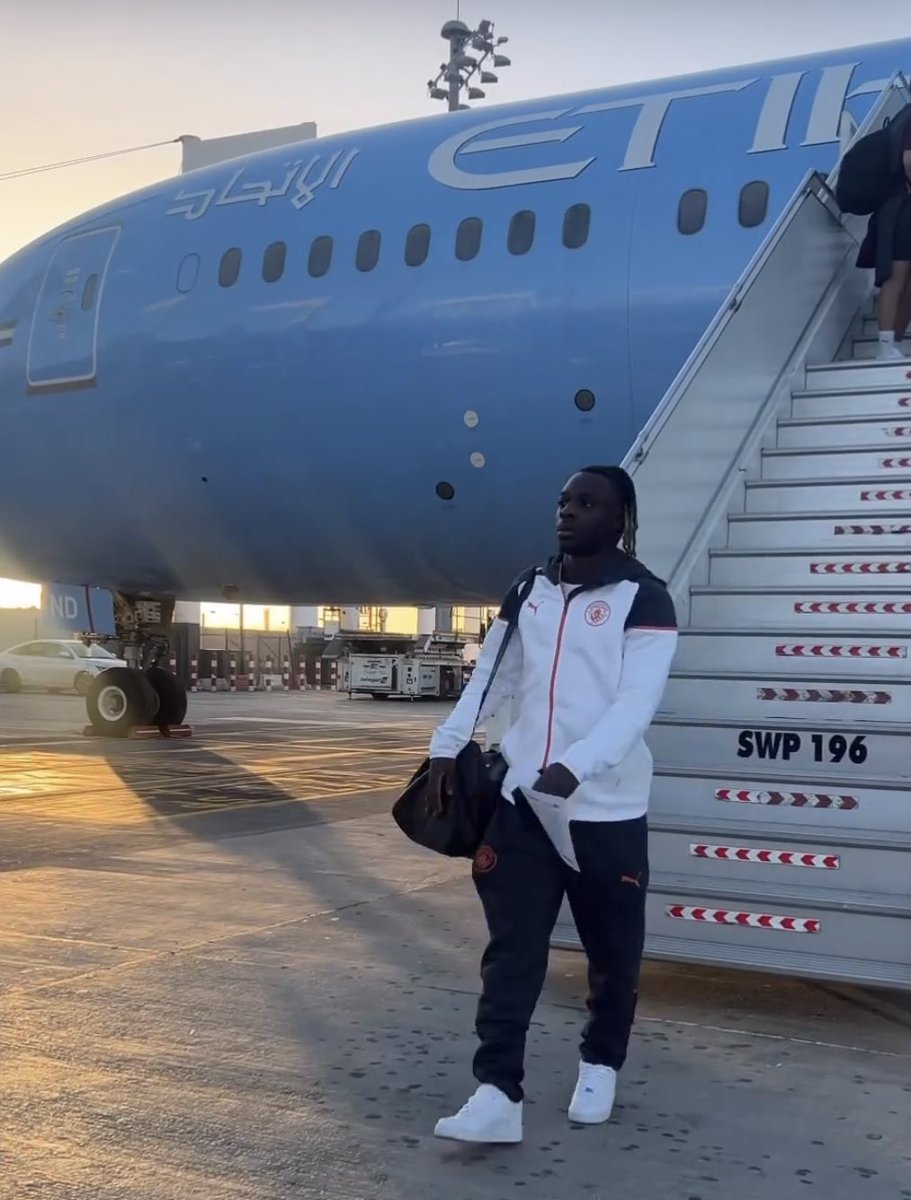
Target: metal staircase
782 801
775 498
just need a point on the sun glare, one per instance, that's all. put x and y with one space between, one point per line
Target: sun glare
14 593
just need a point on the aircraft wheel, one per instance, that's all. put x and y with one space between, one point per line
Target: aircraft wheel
172 697
10 682
119 699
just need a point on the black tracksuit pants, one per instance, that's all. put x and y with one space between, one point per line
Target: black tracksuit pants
522 882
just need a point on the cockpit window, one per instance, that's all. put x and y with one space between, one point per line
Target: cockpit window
692 210
754 204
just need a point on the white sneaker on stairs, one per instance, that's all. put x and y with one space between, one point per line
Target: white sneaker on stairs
489 1116
593 1099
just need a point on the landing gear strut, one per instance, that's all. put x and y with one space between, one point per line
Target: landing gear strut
142 697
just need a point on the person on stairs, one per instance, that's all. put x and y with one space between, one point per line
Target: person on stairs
887 249
586 670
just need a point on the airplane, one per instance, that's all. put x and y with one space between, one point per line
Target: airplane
361 366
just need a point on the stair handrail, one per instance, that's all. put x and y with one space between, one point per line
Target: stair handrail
874 120
814 189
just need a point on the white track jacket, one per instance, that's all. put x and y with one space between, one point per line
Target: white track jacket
585 671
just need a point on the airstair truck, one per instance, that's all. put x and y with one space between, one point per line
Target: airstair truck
774 486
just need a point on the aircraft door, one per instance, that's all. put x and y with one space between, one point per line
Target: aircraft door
63 347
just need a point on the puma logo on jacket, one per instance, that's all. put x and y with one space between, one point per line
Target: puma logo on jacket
586 672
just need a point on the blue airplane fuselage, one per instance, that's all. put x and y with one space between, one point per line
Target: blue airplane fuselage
360 367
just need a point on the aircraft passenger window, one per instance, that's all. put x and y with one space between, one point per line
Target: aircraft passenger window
229 268
468 239
368 250
188 273
274 262
754 204
521 232
417 245
88 292
576 224
691 211
320 257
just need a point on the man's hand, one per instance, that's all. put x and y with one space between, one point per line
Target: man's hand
557 780
441 783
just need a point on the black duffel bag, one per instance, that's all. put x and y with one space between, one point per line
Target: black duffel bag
458 830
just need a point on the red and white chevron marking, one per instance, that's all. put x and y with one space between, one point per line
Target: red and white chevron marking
786 799
861 568
895 464
904 402
872 530
823 695
881 494
897 431
860 608
833 650
725 916
773 858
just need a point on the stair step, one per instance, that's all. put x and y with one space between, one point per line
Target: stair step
694 756
839 529
818 608
829 376
823 866
866 346
813 433
893 403
778 962
799 835
780 835
828 495
879 462
862 570
878 933
780 891
800 696
841 655
868 328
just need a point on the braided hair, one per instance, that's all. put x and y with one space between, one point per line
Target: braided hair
625 491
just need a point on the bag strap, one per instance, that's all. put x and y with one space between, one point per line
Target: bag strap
528 582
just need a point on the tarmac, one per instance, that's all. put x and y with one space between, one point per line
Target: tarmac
225 975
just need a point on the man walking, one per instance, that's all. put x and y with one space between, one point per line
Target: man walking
585 671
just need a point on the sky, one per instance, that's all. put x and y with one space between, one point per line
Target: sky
83 77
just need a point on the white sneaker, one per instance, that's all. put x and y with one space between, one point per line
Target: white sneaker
593 1099
889 351
489 1116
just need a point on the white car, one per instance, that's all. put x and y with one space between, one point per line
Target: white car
54 665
